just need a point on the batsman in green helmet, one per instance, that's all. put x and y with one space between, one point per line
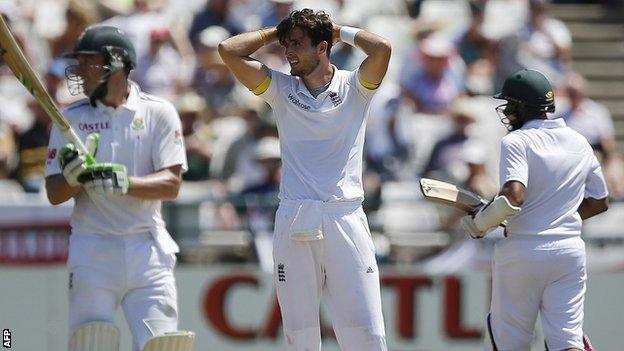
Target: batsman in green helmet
529 95
120 253
551 182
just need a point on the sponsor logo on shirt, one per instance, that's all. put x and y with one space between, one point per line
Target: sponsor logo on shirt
92 127
51 154
298 103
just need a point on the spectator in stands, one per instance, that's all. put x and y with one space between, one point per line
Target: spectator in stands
263 194
212 80
545 42
215 13
257 204
32 149
475 155
278 10
445 161
8 186
386 150
159 70
594 122
240 169
477 51
7 150
197 136
78 16
138 24
588 117
436 83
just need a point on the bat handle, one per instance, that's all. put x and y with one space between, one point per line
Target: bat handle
73 137
90 159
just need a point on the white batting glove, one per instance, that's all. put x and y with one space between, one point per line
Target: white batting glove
489 217
468 225
73 164
106 179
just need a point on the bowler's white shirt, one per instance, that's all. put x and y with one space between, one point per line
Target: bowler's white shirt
322 138
558 168
145 135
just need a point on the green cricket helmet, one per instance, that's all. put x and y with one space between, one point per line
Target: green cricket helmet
107 40
119 55
528 94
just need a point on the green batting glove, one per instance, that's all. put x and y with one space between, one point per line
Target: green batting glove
106 179
72 163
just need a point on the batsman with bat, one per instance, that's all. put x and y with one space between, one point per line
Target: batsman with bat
551 181
120 251
322 241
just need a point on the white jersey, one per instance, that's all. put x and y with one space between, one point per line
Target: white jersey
558 168
322 138
145 135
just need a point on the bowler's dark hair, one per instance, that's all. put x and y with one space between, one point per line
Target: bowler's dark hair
316 25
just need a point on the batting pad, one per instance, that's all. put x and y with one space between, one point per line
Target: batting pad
175 341
95 336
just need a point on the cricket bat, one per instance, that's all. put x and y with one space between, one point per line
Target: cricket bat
16 61
450 195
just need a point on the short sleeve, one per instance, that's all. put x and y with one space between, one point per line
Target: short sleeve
276 82
168 148
513 161
367 90
595 184
55 144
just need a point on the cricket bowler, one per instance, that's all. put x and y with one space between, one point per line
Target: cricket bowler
322 241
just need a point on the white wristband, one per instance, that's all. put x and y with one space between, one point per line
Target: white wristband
347 34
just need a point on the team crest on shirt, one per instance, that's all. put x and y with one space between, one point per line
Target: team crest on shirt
336 100
137 123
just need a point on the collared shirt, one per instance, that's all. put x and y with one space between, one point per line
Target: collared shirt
322 138
558 169
145 135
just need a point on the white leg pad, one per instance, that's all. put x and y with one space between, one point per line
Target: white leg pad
95 336
174 341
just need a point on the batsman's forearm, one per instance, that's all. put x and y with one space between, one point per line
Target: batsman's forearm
162 185
245 44
57 189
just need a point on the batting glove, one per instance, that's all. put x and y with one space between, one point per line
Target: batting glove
106 179
72 163
468 225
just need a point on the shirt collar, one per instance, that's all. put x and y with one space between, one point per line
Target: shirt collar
544 123
131 103
334 85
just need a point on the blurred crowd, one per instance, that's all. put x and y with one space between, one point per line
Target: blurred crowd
433 116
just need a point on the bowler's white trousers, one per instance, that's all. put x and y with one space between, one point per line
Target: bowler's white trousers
343 265
106 271
532 273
